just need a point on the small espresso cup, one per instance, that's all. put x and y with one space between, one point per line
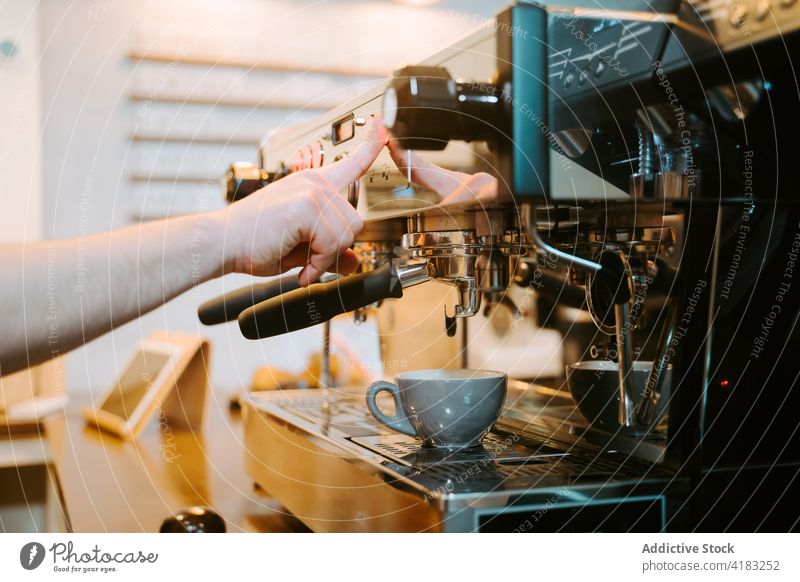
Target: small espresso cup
444 408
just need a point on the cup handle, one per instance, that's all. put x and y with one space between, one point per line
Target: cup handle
399 421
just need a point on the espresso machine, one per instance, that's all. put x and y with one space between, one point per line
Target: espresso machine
628 163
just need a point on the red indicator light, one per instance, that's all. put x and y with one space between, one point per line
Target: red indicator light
724 383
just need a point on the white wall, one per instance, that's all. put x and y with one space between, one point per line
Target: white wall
88 118
20 126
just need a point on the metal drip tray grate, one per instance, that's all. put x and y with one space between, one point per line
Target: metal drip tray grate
345 412
319 408
509 455
477 476
496 447
505 461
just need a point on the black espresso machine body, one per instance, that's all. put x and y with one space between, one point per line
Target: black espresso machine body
711 100
655 135
714 105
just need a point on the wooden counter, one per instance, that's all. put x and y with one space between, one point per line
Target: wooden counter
111 485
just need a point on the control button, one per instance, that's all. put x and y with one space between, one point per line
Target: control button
244 178
763 8
738 14
353 192
569 80
583 76
599 68
359 121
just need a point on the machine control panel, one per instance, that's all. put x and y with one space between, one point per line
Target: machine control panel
588 51
736 23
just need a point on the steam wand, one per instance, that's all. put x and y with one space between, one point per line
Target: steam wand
611 271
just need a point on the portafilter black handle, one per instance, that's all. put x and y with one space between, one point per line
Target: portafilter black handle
320 302
227 307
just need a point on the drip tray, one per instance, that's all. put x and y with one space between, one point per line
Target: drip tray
500 448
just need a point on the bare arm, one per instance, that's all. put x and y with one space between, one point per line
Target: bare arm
57 295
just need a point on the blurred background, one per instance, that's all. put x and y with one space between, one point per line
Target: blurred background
117 111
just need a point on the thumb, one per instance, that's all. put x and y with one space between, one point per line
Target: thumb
425 173
350 169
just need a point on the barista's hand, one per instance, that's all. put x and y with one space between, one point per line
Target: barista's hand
453 187
301 220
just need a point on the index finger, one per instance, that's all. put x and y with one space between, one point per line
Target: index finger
350 169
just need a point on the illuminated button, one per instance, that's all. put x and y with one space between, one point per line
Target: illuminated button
583 76
738 14
599 68
763 8
569 80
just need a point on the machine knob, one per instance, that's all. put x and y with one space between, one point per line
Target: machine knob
425 108
417 107
194 520
244 178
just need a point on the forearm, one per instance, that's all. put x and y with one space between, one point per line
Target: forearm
57 295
